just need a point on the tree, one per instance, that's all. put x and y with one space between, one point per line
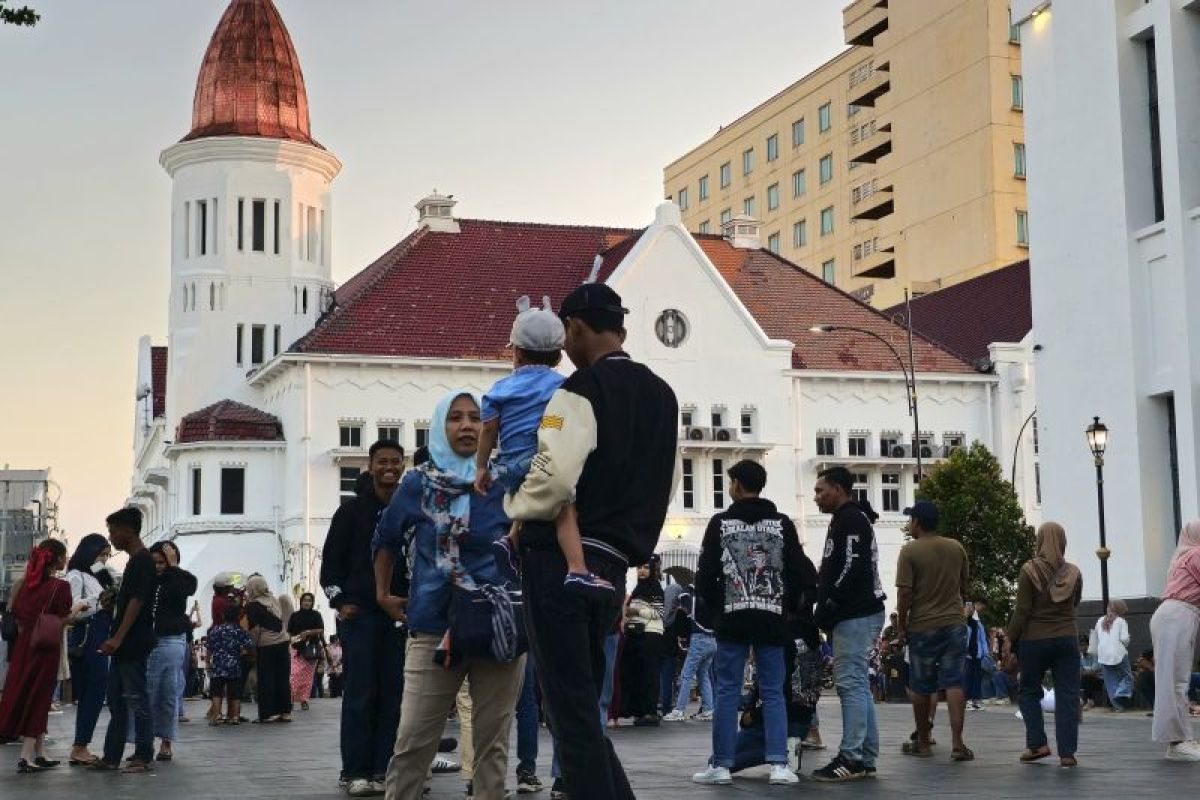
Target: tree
979 508
18 16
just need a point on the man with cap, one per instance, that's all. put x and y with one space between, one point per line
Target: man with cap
608 440
931 583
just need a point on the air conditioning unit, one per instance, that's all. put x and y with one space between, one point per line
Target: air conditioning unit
926 451
724 434
950 449
901 451
694 433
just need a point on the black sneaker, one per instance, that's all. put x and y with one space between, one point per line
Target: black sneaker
528 783
869 771
447 745
840 769
558 791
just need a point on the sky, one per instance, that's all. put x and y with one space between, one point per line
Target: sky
547 111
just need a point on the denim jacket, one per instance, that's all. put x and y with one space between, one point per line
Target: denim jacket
404 521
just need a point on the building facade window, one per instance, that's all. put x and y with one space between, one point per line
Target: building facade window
350 436
347 482
891 491
828 272
746 428
725 175
196 495
825 118
717 418
861 493
888 442
1014 31
748 161
826 169
278 340
388 432
726 216
233 490
1155 131
773 243
703 187
687 475
240 329
421 436
773 197
826 444
685 417
800 233
748 206
772 147
827 220
799 183
718 474
258 226
1018 160
703 227
1037 482
1018 92
683 199
241 224
857 445
275 228
798 132
1023 228
258 334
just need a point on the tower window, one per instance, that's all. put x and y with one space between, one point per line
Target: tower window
321 246
257 344
258 226
304 301
212 297
187 230
202 227
241 224
240 333
233 490
195 491
276 250
216 226
313 238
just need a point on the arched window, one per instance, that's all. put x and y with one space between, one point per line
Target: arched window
304 301
212 296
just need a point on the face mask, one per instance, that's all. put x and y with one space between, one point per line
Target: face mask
97 568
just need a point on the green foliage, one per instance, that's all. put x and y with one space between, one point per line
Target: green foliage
18 16
979 508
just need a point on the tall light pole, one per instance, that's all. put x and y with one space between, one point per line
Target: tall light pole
1097 438
910 383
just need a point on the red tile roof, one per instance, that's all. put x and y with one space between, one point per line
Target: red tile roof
967 317
228 420
250 82
158 381
453 295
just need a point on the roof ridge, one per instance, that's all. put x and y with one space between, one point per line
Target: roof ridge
547 225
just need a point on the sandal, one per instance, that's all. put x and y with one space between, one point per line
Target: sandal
135 767
913 749
164 756
215 721
1068 762
963 753
82 762
1029 756
100 765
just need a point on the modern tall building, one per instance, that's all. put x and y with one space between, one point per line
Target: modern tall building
900 164
1113 113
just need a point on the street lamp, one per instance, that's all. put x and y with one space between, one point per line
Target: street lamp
1097 438
910 382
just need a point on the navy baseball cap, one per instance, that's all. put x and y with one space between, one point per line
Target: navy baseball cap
592 297
925 513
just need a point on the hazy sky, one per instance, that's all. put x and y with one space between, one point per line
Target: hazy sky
557 110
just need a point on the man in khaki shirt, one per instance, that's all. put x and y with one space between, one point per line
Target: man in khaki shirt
931 579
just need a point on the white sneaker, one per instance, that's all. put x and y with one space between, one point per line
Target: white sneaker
674 716
361 787
782 776
1184 751
713 776
703 716
442 765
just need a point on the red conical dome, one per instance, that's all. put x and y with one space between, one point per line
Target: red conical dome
250 82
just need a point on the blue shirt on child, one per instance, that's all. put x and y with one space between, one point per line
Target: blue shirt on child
519 400
225 644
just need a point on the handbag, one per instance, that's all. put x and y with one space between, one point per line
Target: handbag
77 639
47 630
311 651
485 622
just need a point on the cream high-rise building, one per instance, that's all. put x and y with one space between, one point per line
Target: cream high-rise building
897 165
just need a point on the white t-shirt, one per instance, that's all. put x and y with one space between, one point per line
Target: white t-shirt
1112 645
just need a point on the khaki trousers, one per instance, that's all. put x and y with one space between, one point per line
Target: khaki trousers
465 731
429 695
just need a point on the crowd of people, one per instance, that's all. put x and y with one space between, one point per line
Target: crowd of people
494 588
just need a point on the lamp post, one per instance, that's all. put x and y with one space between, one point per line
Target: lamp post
910 383
1097 438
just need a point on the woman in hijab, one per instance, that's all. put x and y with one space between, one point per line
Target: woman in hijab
307 630
271 641
643 645
1111 640
449 530
1043 633
33 672
1173 631
92 587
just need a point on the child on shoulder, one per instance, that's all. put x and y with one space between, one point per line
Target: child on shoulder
512 411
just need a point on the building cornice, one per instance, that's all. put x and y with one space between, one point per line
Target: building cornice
249 148
283 361
892 377
172 450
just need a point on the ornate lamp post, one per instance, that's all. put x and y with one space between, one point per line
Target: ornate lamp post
1097 438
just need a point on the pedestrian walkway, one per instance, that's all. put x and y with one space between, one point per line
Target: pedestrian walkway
300 761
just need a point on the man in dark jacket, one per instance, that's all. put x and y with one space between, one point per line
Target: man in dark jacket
372 644
607 440
850 607
753 573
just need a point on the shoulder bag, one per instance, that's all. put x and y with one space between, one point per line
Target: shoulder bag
485 622
47 630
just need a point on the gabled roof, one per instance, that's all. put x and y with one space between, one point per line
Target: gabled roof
453 295
968 317
228 420
158 381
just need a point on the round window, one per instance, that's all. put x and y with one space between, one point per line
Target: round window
671 328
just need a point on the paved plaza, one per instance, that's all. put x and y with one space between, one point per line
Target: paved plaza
300 761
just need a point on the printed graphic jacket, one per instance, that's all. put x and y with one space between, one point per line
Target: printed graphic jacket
850 586
753 573
607 442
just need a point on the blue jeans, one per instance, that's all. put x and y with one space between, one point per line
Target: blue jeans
1118 682
666 677
1060 655
697 666
852 643
162 686
89 675
127 698
731 667
373 669
527 723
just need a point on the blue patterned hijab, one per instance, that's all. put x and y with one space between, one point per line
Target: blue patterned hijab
447 480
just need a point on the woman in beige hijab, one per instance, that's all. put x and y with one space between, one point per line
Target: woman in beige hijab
273 661
1043 633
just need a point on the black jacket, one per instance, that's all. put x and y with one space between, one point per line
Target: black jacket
850 586
608 438
753 573
169 603
347 572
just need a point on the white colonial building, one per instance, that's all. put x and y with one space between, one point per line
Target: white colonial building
254 421
1112 111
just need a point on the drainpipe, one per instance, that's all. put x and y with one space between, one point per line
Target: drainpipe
307 464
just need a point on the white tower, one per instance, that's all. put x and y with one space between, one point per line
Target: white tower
250 214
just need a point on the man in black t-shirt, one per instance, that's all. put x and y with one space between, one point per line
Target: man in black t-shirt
130 644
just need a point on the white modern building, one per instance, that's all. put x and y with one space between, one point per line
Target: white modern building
1112 114
254 421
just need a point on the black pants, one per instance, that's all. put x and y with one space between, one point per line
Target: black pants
566 636
641 669
274 680
371 684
